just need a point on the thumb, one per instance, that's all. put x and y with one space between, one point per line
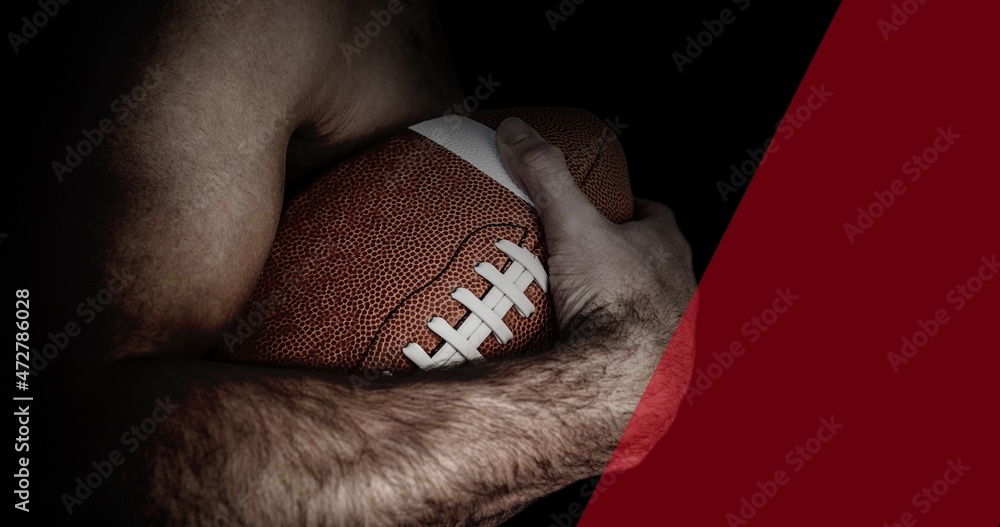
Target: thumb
539 168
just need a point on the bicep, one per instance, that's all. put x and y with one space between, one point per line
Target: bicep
183 195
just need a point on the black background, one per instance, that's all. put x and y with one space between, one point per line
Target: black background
685 129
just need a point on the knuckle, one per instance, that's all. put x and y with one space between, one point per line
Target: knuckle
666 212
542 158
684 247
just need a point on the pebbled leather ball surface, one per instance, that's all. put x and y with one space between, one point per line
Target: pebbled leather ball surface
373 247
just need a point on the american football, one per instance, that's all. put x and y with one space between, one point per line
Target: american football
420 251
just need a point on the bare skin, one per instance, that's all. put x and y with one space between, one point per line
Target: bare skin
184 198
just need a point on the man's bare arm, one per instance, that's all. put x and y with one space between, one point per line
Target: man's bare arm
469 445
265 447
174 200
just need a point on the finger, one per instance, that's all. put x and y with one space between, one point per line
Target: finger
539 168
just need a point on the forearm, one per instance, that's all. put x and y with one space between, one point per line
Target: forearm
466 446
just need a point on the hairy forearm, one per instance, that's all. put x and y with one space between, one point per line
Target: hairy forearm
466 446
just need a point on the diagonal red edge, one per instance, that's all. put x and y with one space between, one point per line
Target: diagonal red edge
847 332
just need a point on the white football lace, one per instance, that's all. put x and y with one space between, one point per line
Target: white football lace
486 314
